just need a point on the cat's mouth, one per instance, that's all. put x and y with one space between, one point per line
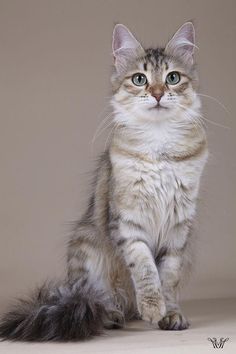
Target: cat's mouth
159 107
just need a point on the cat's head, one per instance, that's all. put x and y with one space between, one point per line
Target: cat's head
152 85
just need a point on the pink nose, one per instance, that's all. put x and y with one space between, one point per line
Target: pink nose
158 96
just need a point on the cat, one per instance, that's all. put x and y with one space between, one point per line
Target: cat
128 254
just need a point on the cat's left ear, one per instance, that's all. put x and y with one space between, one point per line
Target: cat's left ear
182 44
125 47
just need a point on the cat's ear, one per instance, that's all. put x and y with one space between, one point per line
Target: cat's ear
125 47
182 44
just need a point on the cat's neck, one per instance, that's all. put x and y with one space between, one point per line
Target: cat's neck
158 138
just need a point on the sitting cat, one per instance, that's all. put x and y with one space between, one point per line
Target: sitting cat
129 251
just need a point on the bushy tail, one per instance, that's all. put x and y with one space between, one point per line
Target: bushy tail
56 313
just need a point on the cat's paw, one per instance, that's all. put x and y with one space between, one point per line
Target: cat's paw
152 307
173 321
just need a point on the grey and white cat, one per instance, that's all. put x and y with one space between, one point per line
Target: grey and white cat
129 252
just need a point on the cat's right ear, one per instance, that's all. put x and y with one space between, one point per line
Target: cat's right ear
125 47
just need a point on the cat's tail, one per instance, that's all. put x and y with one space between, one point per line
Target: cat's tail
56 313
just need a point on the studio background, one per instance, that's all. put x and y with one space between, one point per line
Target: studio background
55 63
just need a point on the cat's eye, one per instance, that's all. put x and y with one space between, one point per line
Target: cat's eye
173 78
139 79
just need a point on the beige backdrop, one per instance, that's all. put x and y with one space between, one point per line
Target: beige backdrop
55 62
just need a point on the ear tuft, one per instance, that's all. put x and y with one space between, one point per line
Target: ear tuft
182 44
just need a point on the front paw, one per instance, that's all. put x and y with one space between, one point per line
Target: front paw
173 321
152 307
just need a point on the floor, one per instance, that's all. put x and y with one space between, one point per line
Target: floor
209 318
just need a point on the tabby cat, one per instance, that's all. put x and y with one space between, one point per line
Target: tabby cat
128 253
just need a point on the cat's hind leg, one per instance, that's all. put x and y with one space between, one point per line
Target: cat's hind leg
91 262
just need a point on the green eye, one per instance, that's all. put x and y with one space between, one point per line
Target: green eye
173 78
139 79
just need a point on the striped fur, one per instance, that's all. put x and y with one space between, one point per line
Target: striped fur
128 253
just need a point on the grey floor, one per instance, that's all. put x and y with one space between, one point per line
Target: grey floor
209 318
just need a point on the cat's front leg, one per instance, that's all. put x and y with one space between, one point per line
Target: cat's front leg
138 257
171 266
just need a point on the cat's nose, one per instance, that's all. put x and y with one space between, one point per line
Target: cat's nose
158 96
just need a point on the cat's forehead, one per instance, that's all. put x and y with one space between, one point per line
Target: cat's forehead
156 59
156 62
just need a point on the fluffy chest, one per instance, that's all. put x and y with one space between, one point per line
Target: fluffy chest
157 195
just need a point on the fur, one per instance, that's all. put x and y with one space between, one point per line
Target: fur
56 313
129 252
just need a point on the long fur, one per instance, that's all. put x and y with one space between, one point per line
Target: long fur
129 252
56 313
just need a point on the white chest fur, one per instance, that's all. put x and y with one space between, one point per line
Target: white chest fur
157 195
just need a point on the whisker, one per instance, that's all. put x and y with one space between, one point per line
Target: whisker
102 126
196 121
199 115
110 134
216 100
212 122
215 123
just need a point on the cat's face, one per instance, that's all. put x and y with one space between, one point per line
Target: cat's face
154 84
